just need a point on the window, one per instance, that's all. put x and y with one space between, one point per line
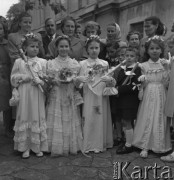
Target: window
137 27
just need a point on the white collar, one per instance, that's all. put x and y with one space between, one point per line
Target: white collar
63 59
152 62
92 60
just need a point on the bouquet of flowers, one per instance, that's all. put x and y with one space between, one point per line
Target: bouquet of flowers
99 69
66 75
48 79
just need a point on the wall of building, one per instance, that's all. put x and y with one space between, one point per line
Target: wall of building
125 12
104 19
165 11
137 12
131 14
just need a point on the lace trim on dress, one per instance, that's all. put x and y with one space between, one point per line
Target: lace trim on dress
34 139
155 70
35 126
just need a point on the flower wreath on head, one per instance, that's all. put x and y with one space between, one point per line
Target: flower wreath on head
93 37
62 36
29 36
58 38
155 38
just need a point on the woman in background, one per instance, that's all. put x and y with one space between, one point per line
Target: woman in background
68 28
5 87
15 39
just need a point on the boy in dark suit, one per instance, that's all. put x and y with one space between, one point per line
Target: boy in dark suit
128 101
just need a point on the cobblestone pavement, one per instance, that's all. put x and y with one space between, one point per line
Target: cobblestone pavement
77 167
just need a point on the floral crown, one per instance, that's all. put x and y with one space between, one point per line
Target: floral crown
29 36
62 36
59 38
95 37
155 38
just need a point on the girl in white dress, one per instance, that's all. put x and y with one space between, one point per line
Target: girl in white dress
63 115
30 125
97 130
152 129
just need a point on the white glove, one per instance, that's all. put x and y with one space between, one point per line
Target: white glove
142 78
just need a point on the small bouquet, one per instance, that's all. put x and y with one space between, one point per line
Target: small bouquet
99 69
48 80
66 75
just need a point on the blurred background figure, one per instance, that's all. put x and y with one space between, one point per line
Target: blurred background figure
68 28
152 26
15 39
93 28
133 39
78 32
5 87
50 28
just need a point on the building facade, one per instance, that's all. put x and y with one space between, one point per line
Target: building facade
129 14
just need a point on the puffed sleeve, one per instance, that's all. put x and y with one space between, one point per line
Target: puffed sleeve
15 74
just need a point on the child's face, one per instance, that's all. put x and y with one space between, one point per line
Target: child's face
134 40
32 49
111 52
63 48
111 32
25 24
78 32
1 31
90 31
93 49
154 51
171 48
121 55
131 58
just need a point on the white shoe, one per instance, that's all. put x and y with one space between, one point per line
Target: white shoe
144 153
96 151
40 154
26 154
168 158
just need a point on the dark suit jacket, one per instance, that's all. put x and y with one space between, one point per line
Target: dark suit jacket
46 40
127 97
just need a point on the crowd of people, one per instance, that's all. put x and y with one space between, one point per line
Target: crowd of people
71 92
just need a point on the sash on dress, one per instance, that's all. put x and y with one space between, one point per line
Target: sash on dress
98 90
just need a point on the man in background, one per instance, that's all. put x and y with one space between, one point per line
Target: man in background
50 28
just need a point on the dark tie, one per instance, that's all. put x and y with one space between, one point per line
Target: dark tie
51 38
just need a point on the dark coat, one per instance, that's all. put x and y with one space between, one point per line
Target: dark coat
46 41
5 87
